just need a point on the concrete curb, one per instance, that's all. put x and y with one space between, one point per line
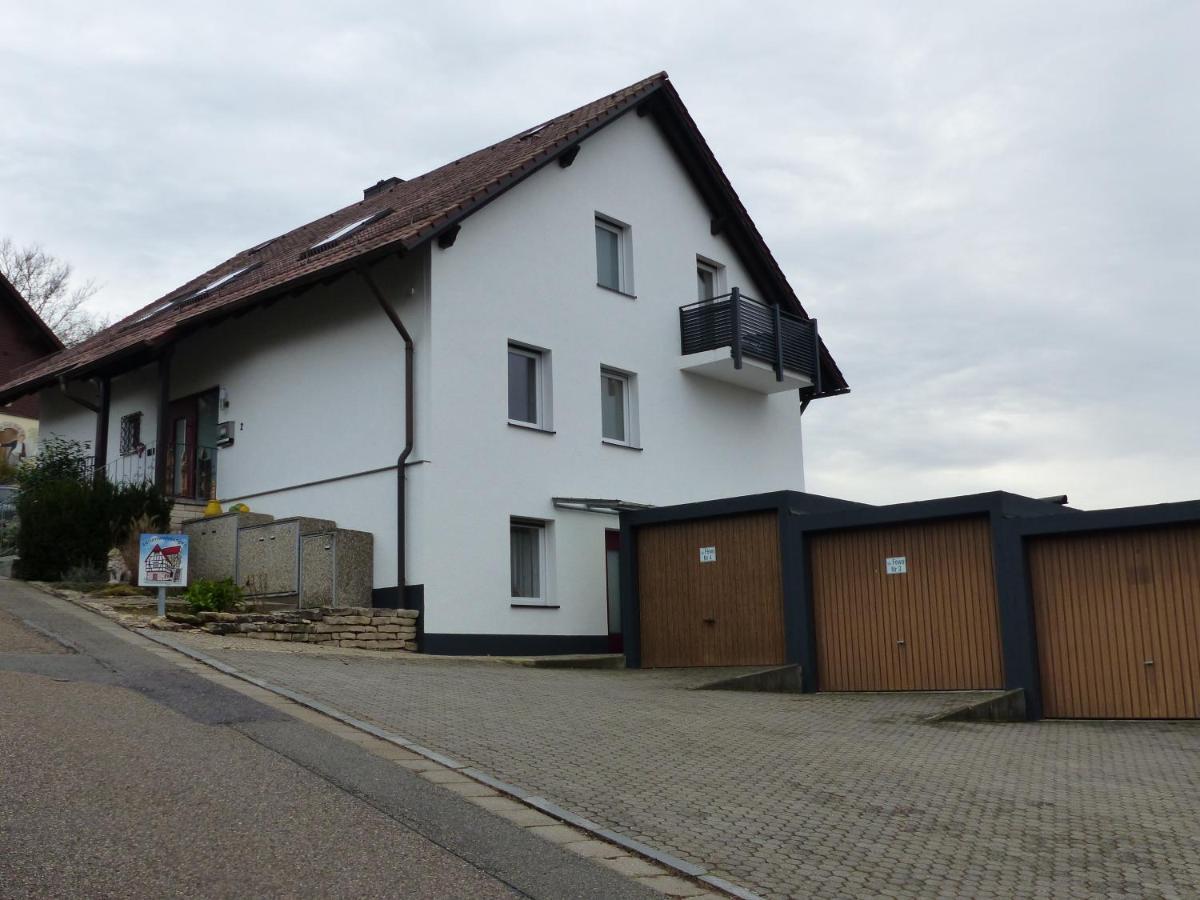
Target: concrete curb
1005 706
779 680
520 795
541 804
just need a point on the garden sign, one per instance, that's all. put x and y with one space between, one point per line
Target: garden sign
162 563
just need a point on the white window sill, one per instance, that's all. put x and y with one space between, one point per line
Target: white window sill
530 426
531 603
621 444
605 287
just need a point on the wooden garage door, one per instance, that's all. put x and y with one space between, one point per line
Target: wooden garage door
933 627
728 612
1118 623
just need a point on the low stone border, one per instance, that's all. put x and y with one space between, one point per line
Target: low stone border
362 627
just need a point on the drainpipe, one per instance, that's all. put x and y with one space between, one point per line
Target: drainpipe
409 422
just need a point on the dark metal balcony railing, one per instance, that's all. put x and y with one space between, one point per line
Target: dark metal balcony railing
191 470
752 329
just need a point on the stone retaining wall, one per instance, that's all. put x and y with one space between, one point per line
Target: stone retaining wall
334 626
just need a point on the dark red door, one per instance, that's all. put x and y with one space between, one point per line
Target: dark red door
181 449
612 571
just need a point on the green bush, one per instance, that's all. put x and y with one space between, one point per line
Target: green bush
213 596
67 519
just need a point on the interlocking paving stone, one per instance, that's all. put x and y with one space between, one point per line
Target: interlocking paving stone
797 795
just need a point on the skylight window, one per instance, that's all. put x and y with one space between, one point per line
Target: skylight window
536 129
211 286
224 279
345 231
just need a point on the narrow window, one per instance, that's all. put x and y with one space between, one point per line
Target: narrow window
613 269
618 407
527 542
525 404
708 279
131 433
707 282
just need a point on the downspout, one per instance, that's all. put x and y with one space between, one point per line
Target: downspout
409 423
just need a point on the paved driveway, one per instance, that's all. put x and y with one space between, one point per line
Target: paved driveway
818 795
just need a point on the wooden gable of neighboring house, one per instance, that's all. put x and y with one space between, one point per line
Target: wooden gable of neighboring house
24 338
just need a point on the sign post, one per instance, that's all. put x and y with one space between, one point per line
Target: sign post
162 563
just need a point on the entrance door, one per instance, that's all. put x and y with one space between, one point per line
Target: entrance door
612 572
710 594
181 452
926 622
191 451
1118 623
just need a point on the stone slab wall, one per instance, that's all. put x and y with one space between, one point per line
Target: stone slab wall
363 627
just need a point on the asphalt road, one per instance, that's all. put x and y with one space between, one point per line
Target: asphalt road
123 775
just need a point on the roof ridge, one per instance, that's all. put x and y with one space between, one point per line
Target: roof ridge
421 209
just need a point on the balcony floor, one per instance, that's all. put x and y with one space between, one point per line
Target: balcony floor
752 376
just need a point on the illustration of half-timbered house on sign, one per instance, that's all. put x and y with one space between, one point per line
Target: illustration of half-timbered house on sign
162 563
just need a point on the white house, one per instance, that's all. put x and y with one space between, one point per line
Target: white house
479 366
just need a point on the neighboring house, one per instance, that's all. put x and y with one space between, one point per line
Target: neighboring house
532 338
24 338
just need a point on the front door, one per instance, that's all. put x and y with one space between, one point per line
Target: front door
181 451
612 572
191 448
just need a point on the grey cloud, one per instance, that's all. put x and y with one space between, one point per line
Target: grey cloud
991 208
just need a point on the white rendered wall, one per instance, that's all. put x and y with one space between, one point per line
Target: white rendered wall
316 386
524 269
64 418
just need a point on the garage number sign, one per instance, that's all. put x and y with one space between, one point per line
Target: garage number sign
896 565
708 554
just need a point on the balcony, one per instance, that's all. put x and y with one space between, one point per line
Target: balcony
754 345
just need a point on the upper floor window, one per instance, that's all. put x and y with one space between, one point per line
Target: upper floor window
708 279
618 407
131 433
614 269
528 386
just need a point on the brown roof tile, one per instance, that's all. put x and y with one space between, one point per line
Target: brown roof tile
416 211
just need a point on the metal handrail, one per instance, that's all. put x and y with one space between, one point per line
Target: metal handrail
751 328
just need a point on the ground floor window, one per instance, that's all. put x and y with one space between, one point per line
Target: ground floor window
527 542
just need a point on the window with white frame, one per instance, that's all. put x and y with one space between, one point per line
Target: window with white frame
618 407
708 279
527 547
614 269
527 386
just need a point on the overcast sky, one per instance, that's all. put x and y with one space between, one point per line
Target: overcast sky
993 209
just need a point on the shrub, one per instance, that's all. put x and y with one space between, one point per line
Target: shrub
83 573
213 596
121 590
68 519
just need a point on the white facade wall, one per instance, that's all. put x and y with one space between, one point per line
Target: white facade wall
524 269
62 417
315 385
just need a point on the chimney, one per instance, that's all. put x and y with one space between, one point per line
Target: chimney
380 186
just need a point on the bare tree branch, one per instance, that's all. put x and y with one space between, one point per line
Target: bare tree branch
45 282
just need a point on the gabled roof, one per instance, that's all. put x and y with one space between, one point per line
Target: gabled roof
47 338
406 215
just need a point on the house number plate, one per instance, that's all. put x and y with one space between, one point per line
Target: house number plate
896 565
708 554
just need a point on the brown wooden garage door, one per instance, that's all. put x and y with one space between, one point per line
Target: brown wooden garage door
934 627
728 612
1118 623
